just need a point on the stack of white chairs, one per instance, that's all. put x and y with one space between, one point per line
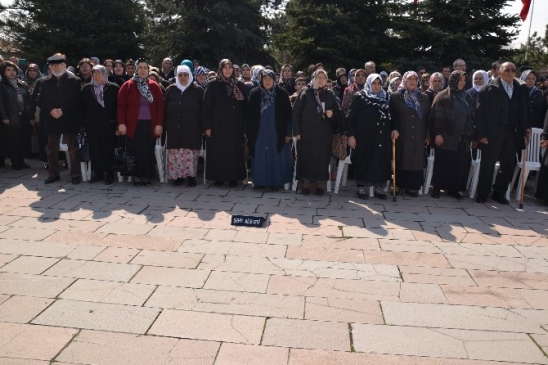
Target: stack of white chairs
532 160
85 167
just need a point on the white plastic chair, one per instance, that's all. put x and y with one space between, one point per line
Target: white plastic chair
429 171
85 167
342 172
159 153
473 175
64 148
532 161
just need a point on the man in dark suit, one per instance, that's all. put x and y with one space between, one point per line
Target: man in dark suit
502 118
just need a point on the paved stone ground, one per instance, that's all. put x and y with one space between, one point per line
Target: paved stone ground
157 275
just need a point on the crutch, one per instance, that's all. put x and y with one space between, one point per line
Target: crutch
394 170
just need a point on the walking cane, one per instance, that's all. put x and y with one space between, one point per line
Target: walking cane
394 170
523 159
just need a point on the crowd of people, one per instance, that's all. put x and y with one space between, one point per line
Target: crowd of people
255 113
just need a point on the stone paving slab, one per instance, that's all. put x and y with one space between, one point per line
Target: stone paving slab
98 316
33 285
19 309
108 292
93 270
102 348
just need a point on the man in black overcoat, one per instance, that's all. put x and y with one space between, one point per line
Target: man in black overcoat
502 118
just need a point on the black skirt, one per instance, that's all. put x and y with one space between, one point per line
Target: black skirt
142 145
451 168
409 179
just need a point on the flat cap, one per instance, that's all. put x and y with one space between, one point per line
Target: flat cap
56 59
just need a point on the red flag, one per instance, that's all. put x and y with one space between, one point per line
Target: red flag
416 1
525 9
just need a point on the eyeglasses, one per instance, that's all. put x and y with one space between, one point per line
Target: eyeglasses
509 70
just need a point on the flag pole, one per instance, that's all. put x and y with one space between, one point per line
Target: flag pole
529 33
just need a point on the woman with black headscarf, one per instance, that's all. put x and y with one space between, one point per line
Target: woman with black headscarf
183 113
32 74
100 101
409 109
223 122
360 78
537 101
118 75
141 117
268 130
452 109
287 81
312 126
369 127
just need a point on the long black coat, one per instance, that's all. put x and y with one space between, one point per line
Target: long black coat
314 147
493 107
13 136
183 117
373 154
61 93
224 115
94 113
412 130
282 111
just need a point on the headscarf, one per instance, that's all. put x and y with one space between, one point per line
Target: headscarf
382 96
231 83
439 75
142 84
189 64
183 68
485 76
256 73
318 93
411 97
348 78
532 90
202 70
242 70
267 95
356 78
454 80
380 99
98 87
38 73
283 69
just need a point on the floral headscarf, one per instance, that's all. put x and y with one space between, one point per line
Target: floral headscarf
98 87
411 97
142 84
317 90
268 95
454 80
349 78
485 76
185 69
230 82
256 74
432 77
202 70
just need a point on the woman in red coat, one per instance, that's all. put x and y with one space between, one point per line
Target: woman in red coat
141 117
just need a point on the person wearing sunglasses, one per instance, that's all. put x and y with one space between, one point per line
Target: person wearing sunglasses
502 123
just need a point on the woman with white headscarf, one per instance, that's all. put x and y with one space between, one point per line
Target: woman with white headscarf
368 127
409 108
100 99
480 79
312 126
183 123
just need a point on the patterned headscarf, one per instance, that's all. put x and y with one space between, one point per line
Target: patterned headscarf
256 74
432 77
485 76
532 90
349 80
454 80
382 96
231 83
202 70
268 95
98 87
185 69
142 84
411 97
319 108
356 77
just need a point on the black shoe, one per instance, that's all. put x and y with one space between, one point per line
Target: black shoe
500 198
305 191
320 192
412 193
52 179
258 187
16 167
381 196
274 188
109 180
96 178
218 183
178 181
362 196
191 182
146 183
481 200
455 194
435 194
232 184
24 165
137 183
76 180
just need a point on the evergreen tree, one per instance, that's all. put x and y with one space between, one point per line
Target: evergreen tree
336 33
536 49
208 30
437 32
102 28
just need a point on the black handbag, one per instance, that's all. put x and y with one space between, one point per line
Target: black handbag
470 130
83 147
124 161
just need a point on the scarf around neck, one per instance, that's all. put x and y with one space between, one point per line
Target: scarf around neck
411 97
142 86
230 82
268 95
98 88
